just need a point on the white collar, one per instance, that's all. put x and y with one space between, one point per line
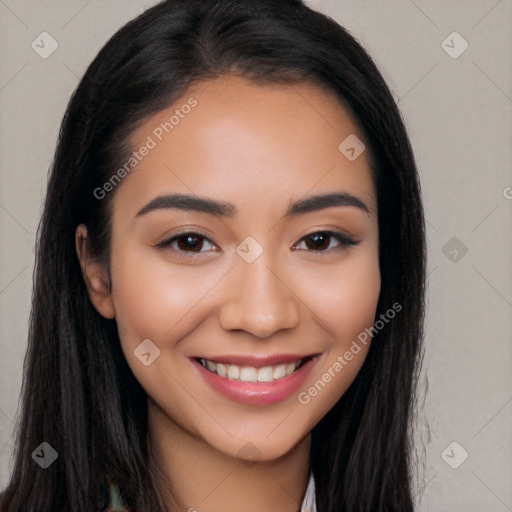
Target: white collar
309 501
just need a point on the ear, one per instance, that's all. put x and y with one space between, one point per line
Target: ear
95 276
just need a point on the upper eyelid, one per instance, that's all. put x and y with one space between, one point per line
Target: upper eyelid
167 240
343 238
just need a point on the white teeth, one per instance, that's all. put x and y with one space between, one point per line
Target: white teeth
233 372
265 374
249 373
279 371
221 370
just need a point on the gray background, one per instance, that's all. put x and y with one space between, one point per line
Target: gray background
458 113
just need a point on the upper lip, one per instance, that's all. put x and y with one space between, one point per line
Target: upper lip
256 361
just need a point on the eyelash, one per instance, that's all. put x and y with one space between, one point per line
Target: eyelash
345 241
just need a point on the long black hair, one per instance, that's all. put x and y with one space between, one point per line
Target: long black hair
78 392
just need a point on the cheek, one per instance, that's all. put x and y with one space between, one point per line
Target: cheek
345 304
156 300
163 303
344 296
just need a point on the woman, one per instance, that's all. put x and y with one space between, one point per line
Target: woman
229 287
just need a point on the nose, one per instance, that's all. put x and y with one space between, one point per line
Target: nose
258 300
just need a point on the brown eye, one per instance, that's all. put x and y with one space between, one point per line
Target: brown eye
183 243
190 242
320 241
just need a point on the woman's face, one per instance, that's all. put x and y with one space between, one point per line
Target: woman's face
249 271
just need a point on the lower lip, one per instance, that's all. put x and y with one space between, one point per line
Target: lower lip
257 393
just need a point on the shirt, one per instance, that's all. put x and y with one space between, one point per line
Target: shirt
308 503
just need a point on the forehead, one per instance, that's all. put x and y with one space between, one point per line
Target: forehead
228 135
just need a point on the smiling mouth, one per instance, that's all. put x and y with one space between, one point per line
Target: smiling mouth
252 374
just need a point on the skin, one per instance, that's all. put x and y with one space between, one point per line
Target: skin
259 147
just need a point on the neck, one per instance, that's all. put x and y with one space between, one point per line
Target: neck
203 479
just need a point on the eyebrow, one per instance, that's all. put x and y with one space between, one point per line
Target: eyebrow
228 210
